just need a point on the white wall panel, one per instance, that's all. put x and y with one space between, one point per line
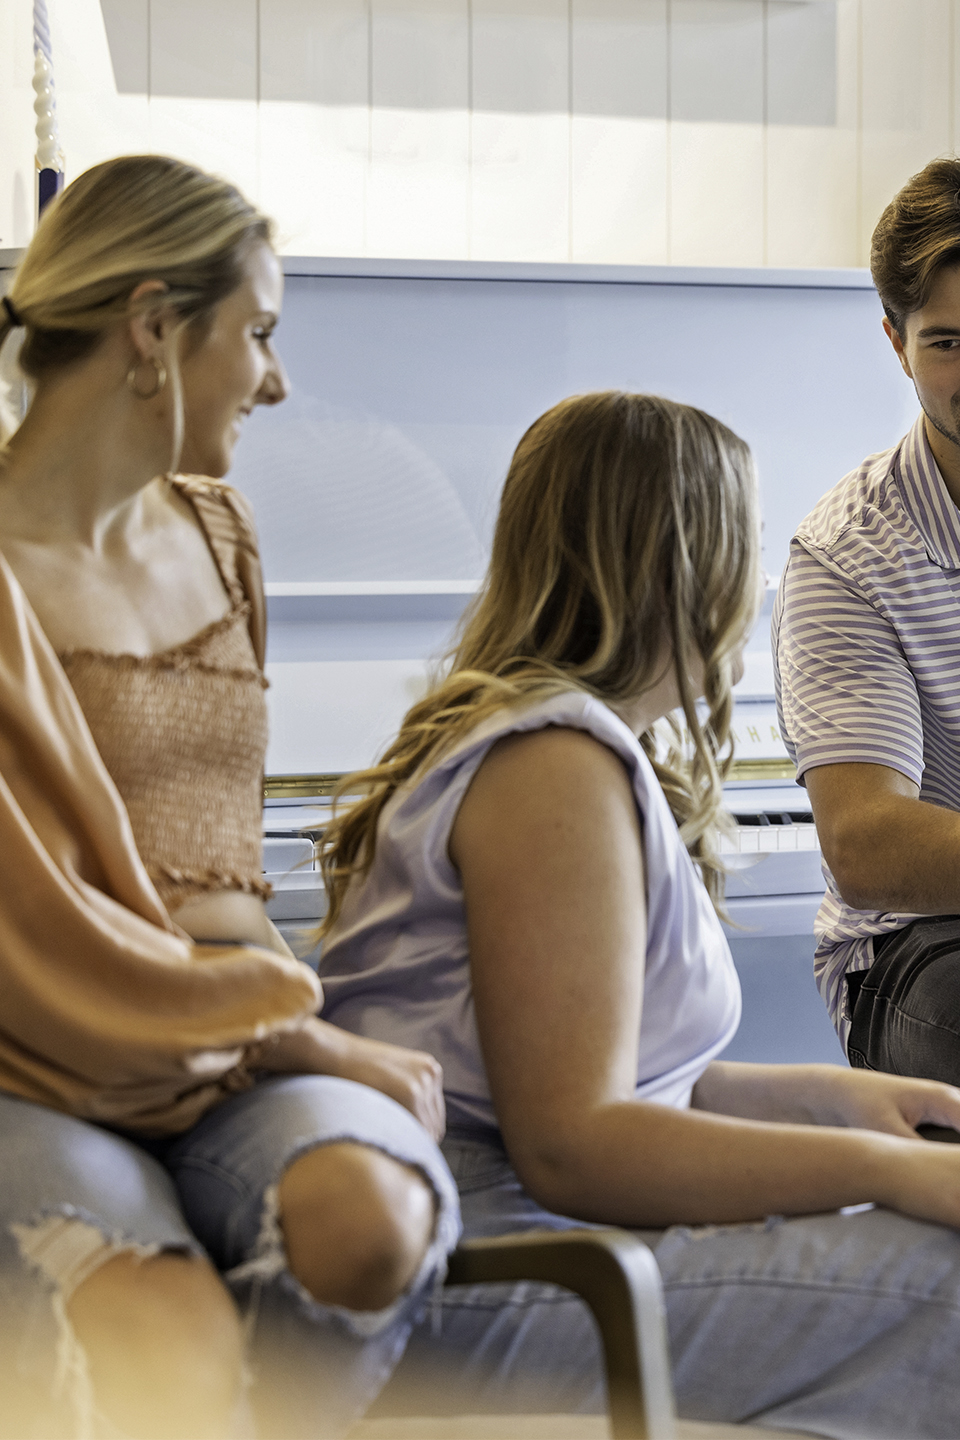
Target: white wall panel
315 123
954 74
618 158
315 53
208 49
418 198
716 163
716 194
716 60
848 64
618 191
218 135
511 129
95 121
906 97
521 55
127 24
520 130
812 210
17 139
812 190
619 58
801 54
204 84
520 187
420 54
313 175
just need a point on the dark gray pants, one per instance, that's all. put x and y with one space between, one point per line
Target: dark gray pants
906 1007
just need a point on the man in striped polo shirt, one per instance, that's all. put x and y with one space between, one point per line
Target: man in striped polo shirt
867 653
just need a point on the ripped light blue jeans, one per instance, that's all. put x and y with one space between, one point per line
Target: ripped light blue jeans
844 1324
73 1195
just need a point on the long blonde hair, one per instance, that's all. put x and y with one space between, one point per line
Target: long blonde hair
627 532
136 218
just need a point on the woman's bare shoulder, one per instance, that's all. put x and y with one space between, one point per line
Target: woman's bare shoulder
553 751
558 778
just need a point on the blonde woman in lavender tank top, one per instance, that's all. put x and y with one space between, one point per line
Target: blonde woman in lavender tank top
514 895
192 1160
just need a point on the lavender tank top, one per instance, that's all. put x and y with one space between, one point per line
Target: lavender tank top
397 965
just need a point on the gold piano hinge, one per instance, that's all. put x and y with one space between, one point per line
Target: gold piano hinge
289 787
762 770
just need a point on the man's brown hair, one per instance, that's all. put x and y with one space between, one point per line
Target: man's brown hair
916 236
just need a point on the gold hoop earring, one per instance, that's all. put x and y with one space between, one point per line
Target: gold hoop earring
160 381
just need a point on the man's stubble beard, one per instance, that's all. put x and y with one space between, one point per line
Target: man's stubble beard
952 435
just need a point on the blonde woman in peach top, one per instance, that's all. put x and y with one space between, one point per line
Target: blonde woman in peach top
189 1146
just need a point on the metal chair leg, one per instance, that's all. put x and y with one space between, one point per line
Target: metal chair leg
616 1275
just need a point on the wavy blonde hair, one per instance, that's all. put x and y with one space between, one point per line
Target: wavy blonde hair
627 531
136 218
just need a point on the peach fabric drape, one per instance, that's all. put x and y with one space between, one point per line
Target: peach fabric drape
107 1010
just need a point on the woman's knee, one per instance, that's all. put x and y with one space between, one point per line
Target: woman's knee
356 1224
168 1319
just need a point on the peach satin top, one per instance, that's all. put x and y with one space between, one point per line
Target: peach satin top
109 1012
183 733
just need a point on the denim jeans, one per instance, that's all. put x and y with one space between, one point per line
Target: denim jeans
75 1194
906 1007
845 1324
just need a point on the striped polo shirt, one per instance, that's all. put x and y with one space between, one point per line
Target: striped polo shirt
866 645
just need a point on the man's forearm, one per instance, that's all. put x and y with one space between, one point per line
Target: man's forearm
894 853
886 848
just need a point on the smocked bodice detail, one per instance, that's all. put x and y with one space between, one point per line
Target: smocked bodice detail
183 734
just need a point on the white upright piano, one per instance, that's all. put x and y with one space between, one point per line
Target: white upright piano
376 484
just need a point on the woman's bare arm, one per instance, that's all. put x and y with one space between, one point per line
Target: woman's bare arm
548 844
315 1047
827 1095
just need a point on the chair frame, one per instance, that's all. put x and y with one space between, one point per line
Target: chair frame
616 1276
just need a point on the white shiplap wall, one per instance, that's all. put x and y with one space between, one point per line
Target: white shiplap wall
715 132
